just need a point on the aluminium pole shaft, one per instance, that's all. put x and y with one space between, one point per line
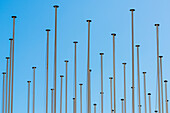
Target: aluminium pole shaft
144 73
111 93
61 90
29 96
80 98
149 94
6 85
3 92
166 100
33 88
124 85
101 54
66 87
52 95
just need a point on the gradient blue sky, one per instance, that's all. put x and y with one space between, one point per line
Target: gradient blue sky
108 16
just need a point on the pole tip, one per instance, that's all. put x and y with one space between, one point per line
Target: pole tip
149 93
61 76
29 81
165 81
33 67
114 34
137 45
156 111
144 72
66 61
110 77
73 98
122 99
48 30
3 73
14 16
132 9
156 24
7 57
52 89
75 42
101 53
56 6
81 84
90 70
88 20
124 63
94 104
160 56
10 39
101 92
112 110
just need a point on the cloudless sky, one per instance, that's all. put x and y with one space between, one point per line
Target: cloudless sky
34 16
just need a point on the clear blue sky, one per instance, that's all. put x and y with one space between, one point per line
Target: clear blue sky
108 16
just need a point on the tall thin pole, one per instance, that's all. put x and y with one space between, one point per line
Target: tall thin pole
52 95
111 93
138 76
122 104
166 100
13 64
95 107
33 89
61 91
88 73
133 92
114 77
101 54
73 105
81 97
6 84
149 94
158 68
160 57
48 30
75 74
66 61
9 91
144 73
124 65
3 93
55 58
29 96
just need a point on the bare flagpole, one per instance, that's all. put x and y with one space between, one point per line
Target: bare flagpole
81 97
101 54
3 93
6 84
144 73
88 73
29 96
9 91
14 17
122 104
66 61
133 95
111 92
55 59
114 77
33 88
95 107
158 68
166 95
149 94
160 57
61 76
52 95
124 65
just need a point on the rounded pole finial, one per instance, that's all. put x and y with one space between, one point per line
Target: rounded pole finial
56 6
48 30
88 20
132 9
14 16
101 53
114 34
157 24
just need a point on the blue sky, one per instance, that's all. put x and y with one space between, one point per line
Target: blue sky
34 16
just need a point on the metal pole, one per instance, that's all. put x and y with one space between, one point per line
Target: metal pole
48 30
33 88
9 91
81 97
114 77
111 92
122 104
52 95
101 54
160 57
95 107
133 92
138 77
29 96
75 72
73 105
66 61
55 58
166 95
88 73
144 73
3 93
13 63
6 84
149 94
158 68
124 65
61 76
